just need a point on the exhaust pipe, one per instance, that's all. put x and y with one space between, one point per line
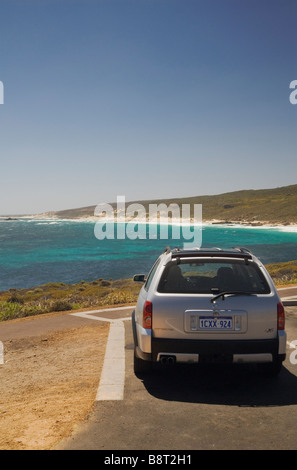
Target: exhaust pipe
170 360
182 358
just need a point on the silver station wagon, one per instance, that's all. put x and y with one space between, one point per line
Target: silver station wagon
208 306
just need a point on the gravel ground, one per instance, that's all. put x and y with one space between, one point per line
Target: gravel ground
48 385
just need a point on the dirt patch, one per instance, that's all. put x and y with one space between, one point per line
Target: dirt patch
48 385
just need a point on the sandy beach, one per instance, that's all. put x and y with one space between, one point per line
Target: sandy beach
257 224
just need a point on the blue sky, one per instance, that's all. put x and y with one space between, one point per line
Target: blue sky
144 98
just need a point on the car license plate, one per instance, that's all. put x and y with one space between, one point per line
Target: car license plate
216 323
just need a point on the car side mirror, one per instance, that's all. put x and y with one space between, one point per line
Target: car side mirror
139 278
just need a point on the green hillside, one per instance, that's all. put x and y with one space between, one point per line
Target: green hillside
278 205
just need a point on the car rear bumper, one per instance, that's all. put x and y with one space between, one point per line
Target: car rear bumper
208 351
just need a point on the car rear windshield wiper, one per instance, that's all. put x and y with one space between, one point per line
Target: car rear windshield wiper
231 292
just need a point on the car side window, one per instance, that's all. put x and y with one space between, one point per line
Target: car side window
151 274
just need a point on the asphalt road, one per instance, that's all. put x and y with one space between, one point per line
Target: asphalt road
206 408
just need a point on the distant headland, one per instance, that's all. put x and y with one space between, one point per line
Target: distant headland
277 206
253 207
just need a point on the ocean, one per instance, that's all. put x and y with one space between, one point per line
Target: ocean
34 252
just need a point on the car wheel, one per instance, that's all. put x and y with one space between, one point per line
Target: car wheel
141 367
271 369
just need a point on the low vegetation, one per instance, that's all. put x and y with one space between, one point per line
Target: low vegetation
56 297
283 273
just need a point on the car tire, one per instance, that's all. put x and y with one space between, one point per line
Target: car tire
141 367
271 369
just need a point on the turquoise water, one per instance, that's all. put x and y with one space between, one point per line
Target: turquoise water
36 252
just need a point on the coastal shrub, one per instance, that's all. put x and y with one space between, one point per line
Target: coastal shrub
9 310
60 305
283 273
37 290
76 306
53 285
15 299
29 310
119 297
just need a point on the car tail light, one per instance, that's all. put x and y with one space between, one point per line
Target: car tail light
280 316
147 315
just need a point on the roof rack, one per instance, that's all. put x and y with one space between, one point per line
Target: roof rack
237 252
242 249
213 251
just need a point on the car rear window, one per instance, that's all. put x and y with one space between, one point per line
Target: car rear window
208 276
